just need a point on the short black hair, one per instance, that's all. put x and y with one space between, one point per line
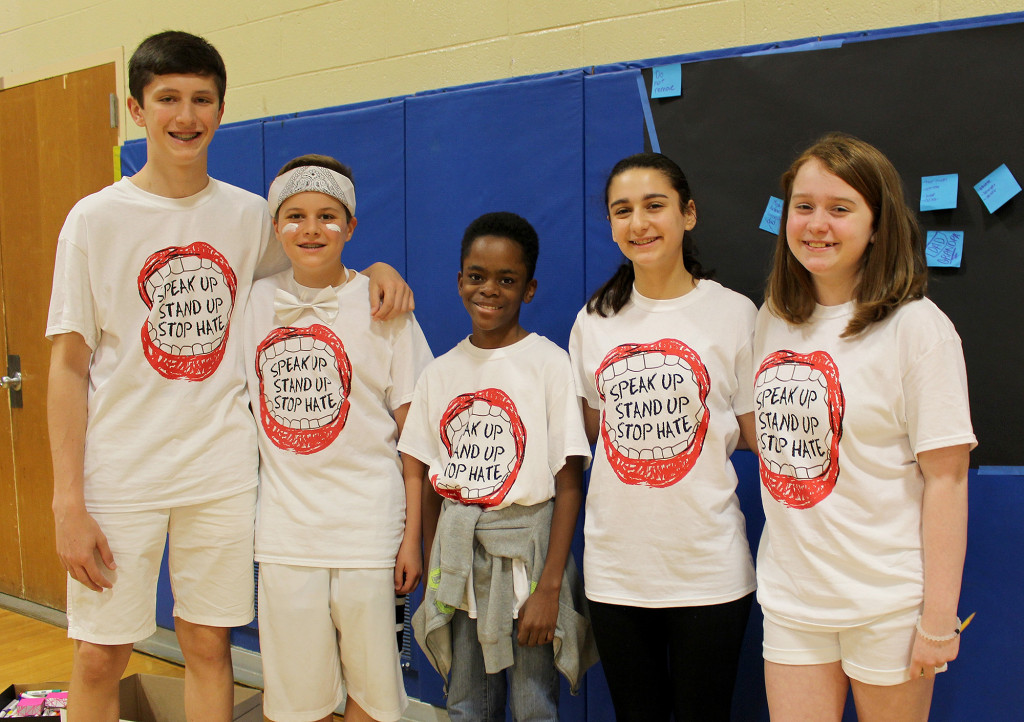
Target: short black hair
320 161
174 52
505 225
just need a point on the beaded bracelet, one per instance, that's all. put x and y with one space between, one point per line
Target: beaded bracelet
939 639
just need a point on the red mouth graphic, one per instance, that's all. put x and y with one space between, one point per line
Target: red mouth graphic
305 379
190 292
655 411
799 460
486 441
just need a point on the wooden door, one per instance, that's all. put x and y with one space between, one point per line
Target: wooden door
56 146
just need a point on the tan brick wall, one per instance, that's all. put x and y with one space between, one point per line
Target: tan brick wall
291 55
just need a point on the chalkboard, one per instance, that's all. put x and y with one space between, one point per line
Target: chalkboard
936 103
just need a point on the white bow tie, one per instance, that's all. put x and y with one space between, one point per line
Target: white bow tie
288 308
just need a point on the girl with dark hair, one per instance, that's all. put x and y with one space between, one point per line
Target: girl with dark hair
662 356
864 432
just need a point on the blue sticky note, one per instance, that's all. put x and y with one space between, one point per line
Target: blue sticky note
772 216
997 187
944 249
667 82
938 192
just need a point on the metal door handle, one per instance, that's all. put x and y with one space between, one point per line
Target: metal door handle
11 382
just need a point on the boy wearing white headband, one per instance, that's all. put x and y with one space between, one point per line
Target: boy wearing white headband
338 530
150 428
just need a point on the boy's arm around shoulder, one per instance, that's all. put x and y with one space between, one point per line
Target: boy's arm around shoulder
539 614
81 545
390 295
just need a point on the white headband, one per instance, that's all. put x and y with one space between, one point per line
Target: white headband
311 178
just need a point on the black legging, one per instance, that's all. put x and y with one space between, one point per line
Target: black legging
676 660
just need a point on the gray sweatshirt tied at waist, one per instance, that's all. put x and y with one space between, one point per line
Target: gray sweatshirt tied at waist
488 541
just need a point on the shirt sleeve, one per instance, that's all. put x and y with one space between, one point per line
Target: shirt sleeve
566 433
411 354
743 400
72 306
272 257
419 438
936 400
584 383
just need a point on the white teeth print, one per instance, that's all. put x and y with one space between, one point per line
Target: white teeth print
205 263
635 362
175 265
481 408
653 360
619 368
784 372
306 343
672 360
801 372
292 344
190 263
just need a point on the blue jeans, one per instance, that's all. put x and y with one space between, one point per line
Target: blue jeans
474 695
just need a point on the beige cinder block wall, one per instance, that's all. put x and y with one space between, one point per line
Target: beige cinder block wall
291 55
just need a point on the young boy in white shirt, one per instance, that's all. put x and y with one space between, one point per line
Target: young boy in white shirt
497 423
150 429
338 529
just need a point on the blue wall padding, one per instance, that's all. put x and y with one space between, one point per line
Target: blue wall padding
511 147
371 140
133 156
985 680
613 129
236 156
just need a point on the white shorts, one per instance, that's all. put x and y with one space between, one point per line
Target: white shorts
325 631
209 559
877 652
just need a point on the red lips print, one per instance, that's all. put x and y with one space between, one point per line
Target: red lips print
655 414
486 441
799 456
305 378
190 292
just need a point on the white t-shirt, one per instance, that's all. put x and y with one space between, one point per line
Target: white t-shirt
494 426
331 488
669 377
155 286
839 424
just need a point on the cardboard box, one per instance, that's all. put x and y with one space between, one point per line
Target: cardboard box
11 693
154 698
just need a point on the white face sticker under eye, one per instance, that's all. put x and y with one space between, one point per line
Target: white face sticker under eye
289 228
333 227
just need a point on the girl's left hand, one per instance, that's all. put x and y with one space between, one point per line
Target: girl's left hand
928 656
